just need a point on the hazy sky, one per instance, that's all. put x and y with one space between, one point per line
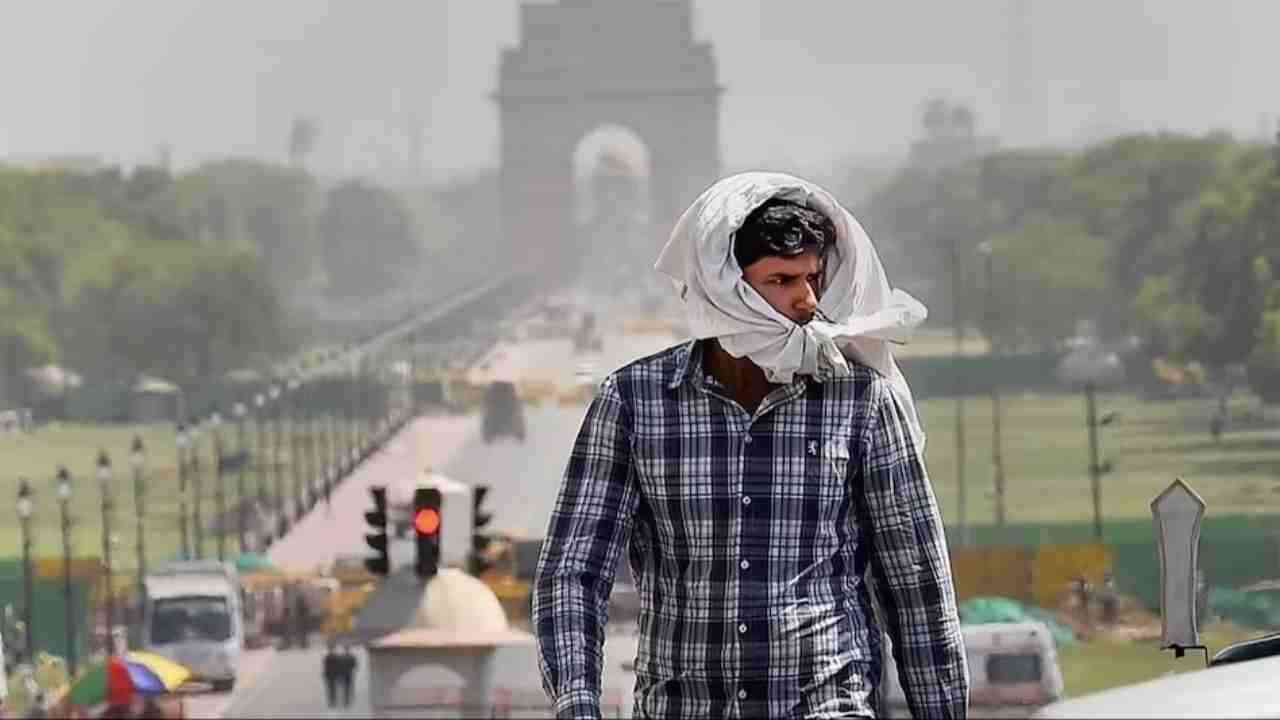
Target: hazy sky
808 81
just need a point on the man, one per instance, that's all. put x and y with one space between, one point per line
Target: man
347 674
768 479
331 671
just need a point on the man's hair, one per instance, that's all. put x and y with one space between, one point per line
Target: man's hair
781 228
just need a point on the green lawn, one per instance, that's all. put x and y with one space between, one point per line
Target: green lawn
1046 457
38 456
1100 665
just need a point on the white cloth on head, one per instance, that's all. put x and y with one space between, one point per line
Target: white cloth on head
863 313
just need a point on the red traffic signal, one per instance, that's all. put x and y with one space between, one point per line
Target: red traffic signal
427 521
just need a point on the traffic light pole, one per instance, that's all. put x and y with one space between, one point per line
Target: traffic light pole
380 563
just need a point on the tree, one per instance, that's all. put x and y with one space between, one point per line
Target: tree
368 239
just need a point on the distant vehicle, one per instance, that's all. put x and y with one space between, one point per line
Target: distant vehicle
1013 671
503 413
192 614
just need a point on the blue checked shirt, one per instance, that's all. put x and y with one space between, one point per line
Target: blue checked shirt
750 541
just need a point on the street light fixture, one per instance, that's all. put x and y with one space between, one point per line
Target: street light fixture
138 458
104 483
219 491
197 488
183 442
239 411
277 482
295 468
987 251
1091 366
64 501
24 517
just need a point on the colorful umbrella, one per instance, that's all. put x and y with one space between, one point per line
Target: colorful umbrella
119 678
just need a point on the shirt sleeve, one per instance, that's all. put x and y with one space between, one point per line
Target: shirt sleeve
911 564
589 527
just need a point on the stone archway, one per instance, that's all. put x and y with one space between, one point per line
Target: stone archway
583 64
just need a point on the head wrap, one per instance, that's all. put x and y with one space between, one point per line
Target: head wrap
862 315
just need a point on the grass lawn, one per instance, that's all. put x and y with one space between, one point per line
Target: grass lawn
1046 457
1100 665
38 456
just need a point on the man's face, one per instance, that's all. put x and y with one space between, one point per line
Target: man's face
792 285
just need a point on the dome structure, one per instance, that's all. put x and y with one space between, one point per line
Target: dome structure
454 600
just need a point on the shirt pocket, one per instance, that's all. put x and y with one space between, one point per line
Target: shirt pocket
826 469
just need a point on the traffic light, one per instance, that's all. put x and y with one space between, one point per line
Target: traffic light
379 564
427 519
480 541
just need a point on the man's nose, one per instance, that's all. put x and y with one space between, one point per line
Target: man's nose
808 300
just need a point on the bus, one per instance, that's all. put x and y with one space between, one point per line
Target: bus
193 614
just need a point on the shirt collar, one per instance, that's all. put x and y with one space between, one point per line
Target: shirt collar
688 358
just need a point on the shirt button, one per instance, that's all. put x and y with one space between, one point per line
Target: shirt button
742 629
744 564
742 694
747 439
746 500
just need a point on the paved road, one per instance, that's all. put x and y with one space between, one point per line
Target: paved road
524 477
292 686
271 680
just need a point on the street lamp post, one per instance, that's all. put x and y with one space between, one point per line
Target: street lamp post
64 501
137 458
239 411
1091 367
104 483
295 467
259 423
997 450
24 519
197 486
219 489
183 538
276 481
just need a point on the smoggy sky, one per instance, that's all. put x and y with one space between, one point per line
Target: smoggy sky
809 82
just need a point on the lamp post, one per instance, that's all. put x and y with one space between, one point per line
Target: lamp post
276 481
183 539
24 520
104 483
197 486
997 450
259 403
64 502
239 411
295 468
219 489
137 458
1091 367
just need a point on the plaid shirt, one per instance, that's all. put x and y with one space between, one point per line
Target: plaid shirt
750 541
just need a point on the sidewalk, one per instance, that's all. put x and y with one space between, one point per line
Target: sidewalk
338 528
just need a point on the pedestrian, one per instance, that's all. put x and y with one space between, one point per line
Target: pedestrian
769 479
331 671
347 665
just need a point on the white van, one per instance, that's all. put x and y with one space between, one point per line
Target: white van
1013 671
193 616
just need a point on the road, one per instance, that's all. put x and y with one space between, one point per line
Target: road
524 476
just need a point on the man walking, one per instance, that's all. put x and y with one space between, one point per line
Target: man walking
331 672
347 674
768 479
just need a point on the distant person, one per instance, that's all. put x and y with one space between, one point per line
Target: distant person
331 671
347 674
301 617
761 474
